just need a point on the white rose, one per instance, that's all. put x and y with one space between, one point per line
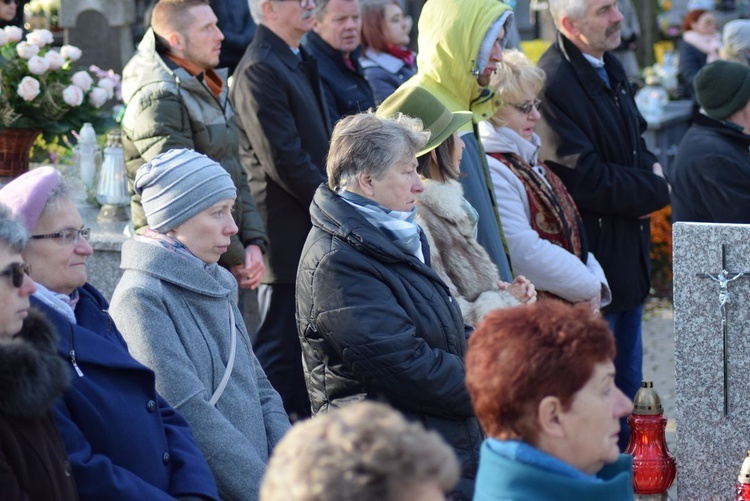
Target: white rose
70 52
15 34
97 97
26 50
40 38
3 37
28 89
54 59
73 95
38 65
109 85
83 80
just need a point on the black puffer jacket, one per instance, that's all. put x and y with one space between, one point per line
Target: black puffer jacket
378 324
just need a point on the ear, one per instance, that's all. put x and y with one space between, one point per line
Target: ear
569 26
364 181
433 156
549 416
176 41
267 9
316 25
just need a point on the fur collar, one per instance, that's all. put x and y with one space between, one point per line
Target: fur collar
444 199
32 375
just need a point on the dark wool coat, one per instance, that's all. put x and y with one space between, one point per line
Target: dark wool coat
591 138
33 463
346 91
284 134
711 174
123 439
378 324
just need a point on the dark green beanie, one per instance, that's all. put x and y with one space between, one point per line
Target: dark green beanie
722 88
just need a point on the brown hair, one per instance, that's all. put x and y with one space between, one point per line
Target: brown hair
518 356
373 22
169 16
691 17
446 171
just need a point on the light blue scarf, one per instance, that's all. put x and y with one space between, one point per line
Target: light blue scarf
398 226
524 453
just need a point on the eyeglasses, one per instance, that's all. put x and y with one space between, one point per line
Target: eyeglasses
67 237
302 3
16 271
527 107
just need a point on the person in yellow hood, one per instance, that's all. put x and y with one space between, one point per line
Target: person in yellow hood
460 46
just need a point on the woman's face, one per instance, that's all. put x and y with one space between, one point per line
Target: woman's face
705 25
8 9
592 422
58 263
207 234
458 151
395 27
398 188
14 301
522 116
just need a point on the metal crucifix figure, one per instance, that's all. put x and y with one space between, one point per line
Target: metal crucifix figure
724 277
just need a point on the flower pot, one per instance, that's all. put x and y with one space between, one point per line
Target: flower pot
15 147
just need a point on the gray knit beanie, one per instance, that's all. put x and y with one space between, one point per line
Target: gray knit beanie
722 88
176 185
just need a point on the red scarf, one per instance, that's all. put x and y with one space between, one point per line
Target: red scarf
404 54
212 79
554 215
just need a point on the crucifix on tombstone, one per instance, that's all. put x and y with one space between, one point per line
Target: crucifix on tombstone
724 277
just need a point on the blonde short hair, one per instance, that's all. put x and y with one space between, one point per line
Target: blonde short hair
516 78
365 451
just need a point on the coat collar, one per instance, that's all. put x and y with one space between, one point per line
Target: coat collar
725 128
320 46
265 36
587 75
164 265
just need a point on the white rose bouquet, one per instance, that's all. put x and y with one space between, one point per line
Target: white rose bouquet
40 89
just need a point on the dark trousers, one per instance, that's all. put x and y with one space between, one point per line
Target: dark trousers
278 349
629 359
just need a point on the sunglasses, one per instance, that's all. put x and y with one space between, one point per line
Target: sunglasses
527 107
16 271
67 237
8 2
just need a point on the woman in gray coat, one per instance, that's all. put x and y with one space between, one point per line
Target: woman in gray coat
176 308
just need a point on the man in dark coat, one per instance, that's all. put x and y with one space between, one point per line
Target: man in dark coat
335 43
591 138
711 174
283 143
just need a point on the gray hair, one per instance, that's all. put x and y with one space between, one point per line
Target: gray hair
575 9
365 451
369 144
322 5
256 11
66 189
12 232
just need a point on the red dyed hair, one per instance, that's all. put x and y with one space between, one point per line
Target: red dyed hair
691 17
517 356
373 21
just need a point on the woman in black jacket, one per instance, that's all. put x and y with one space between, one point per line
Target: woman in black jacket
375 321
33 463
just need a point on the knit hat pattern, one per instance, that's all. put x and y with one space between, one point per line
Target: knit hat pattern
27 195
722 88
177 185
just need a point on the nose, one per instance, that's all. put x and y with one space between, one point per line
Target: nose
534 115
307 4
83 247
28 287
219 34
618 15
460 142
231 228
496 56
418 186
623 405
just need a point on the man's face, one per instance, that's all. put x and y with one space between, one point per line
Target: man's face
202 38
599 30
341 25
292 18
496 57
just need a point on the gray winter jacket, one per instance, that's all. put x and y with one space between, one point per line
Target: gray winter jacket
175 317
168 108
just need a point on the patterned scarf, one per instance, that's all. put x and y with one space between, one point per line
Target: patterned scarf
398 226
173 245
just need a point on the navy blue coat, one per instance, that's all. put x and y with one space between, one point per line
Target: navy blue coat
123 440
